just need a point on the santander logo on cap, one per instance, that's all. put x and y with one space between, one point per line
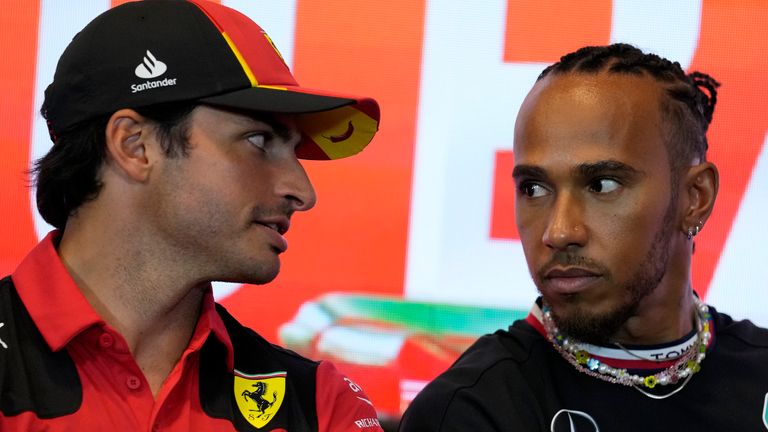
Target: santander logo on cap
150 67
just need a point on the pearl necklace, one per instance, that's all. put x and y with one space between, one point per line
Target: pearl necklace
684 368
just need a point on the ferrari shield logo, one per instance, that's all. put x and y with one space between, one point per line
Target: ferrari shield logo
259 396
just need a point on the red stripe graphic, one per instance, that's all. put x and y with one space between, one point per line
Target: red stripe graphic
18 37
503 208
542 31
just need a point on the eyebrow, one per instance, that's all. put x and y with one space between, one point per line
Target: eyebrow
279 128
593 169
585 170
528 171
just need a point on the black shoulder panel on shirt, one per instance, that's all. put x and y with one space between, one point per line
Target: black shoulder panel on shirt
744 333
32 377
256 356
488 375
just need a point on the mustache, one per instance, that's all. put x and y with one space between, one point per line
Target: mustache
568 259
284 209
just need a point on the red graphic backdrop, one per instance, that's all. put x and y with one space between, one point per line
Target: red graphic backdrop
18 39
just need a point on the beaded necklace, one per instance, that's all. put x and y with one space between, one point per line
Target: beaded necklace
684 368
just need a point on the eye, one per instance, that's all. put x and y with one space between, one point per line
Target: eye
533 190
259 139
604 185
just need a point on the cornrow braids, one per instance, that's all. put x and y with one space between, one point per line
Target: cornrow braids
691 98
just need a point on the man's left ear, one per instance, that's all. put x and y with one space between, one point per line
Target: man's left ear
701 183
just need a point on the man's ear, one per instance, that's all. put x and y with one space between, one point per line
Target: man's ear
127 136
701 183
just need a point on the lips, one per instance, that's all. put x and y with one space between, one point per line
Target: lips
570 280
280 225
276 227
572 272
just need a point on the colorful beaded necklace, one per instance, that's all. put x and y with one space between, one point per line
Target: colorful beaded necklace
684 368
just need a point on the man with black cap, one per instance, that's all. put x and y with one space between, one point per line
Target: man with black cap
177 132
613 185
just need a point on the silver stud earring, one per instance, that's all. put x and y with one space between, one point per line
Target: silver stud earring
694 230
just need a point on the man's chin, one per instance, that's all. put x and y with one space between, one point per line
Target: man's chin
588 326
255 276
263 278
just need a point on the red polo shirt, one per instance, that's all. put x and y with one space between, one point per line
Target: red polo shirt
115 393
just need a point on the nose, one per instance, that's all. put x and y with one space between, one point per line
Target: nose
565 227
295 186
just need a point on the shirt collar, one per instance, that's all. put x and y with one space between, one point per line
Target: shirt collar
210 322
51 297
61 312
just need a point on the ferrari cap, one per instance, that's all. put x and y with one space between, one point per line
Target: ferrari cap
157 51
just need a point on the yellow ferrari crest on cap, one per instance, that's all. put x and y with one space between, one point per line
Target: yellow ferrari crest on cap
259 396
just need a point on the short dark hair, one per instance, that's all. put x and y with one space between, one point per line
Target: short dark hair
69 174
687 110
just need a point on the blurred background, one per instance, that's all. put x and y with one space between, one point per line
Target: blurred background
412 251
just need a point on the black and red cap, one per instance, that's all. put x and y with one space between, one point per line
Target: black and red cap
157 51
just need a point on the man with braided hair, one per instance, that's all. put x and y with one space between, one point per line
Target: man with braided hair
612 187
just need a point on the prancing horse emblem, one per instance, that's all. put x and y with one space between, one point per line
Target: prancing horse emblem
258 396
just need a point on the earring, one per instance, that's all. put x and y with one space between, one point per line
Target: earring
694 230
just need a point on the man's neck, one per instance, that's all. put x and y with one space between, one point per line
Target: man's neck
659 319
152 306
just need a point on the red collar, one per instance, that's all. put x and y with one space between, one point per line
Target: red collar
61 312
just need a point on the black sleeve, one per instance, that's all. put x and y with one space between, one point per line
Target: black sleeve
468 410
462 412
485 390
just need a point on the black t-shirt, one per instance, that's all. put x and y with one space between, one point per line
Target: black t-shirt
514 380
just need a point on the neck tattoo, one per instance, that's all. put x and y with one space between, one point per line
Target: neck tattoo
683 369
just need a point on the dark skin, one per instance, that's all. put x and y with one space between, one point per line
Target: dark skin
602 220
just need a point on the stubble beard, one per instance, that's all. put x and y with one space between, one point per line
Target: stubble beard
234 263
599 329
